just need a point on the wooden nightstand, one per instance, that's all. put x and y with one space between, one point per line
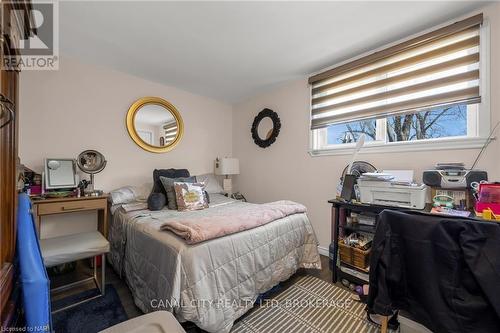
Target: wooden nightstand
42 207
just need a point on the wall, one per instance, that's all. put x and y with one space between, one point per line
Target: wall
285 170
153 130
83 107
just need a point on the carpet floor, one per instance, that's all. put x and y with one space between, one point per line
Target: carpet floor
89 317
309 305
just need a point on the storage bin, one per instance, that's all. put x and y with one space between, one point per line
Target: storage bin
354 256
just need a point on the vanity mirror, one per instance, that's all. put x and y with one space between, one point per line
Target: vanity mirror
154 124
60 173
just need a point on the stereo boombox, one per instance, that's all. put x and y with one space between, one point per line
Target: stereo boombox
451 178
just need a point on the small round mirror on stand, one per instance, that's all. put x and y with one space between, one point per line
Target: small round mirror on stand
154 124
91 162
265 128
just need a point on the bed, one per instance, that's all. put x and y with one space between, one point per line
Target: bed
211 283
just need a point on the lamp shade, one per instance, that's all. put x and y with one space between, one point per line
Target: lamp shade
227 166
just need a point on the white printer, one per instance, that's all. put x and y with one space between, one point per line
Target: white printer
388 193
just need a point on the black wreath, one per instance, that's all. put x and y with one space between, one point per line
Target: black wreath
276 128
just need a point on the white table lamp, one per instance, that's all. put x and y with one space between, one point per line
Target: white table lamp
227 166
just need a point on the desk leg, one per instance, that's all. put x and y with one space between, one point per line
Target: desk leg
102 225
38 224
383 323
335 238
105 222
37 218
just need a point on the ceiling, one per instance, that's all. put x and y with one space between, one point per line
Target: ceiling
152 114
231 51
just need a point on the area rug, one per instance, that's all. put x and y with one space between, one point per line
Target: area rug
91 316
309 305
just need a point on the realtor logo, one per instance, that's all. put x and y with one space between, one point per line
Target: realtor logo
33 46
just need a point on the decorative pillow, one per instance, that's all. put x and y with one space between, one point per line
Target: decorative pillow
168 185
156 201
212 185
169 173
190 196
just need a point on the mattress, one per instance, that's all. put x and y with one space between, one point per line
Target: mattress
211 283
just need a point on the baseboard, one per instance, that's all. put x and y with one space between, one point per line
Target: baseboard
323 251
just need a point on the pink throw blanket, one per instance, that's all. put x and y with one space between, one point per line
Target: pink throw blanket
196 230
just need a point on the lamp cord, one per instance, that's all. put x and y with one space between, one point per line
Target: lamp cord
488 140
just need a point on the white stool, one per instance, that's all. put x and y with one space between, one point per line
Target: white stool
154 322
60 250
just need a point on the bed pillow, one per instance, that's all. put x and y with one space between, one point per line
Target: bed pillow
168 186
212 185
190 196
169 173
143 191
123 195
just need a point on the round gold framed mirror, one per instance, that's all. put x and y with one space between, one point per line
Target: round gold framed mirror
154 124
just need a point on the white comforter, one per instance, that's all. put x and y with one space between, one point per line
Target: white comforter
214 282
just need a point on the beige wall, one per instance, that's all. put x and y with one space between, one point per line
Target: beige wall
83 107
285 170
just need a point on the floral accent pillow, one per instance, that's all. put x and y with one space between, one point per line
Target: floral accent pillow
190 196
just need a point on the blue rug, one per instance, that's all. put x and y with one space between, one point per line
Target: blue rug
89 317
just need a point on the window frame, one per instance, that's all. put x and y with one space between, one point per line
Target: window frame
478 124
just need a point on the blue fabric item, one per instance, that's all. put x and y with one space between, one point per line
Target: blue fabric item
35 284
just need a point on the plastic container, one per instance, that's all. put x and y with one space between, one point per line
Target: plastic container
488 198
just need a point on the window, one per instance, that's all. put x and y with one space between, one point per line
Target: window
425 90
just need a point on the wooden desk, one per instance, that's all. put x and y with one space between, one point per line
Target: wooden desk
42 207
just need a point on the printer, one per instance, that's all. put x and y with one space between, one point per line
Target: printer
388 193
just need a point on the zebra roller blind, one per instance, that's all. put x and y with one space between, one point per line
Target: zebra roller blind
170 130
435 69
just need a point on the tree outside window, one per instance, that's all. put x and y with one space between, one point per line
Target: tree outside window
449 121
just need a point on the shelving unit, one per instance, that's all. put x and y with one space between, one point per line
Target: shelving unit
356 227
340 210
